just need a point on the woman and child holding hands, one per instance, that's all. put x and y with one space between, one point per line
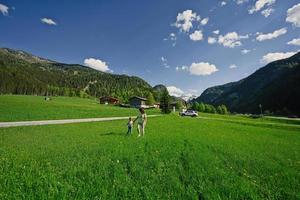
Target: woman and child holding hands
141 120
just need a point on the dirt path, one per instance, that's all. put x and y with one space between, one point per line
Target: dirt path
62 121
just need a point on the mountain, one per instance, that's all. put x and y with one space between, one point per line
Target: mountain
276 87
23 73
158 90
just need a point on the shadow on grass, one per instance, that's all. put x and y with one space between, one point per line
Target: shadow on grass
113 134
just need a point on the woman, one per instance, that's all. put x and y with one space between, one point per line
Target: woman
142 120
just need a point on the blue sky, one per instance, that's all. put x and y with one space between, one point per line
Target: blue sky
161 41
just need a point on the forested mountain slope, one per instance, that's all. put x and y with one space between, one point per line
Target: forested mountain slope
276 87
23 73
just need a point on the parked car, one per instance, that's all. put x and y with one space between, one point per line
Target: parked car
190 113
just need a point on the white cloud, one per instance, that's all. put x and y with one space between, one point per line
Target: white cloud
260 4
48 21
295 42
241 1
204 21
261 37
172 37
199 69
245 51
216 32
267 12
184 20
182 68
270 57
97 64
166 65
293 15
174 91
196 36
202 69
211 40
164 62
231 39
233 66
4 9
223 3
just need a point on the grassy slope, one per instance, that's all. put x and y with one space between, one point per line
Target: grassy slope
180 158
19 108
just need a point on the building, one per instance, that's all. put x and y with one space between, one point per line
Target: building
156 105
108 100
138 102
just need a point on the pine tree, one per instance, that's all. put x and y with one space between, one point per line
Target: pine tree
213 109
165 102
220 110
195 105
207 108
201 107
224 109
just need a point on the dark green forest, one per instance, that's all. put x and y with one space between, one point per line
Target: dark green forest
23 73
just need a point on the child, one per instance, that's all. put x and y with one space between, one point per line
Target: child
129 125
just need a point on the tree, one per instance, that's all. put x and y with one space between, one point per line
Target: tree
195 105
210 108
224 109
220 110
165 102
150 99
207 108
178 104
201 107
213 109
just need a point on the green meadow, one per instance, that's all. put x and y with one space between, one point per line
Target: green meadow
210 157
27 108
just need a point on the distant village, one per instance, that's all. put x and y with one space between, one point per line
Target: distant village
137 102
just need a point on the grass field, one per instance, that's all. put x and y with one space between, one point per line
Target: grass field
179 158
26 108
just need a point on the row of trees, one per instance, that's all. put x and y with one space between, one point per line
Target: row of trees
207 108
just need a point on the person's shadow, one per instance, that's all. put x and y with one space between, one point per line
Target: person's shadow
113 133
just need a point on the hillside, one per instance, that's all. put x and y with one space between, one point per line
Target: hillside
23 73
276 87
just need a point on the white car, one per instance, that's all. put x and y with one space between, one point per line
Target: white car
190 113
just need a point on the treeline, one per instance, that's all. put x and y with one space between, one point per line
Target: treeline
21 76
207 108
